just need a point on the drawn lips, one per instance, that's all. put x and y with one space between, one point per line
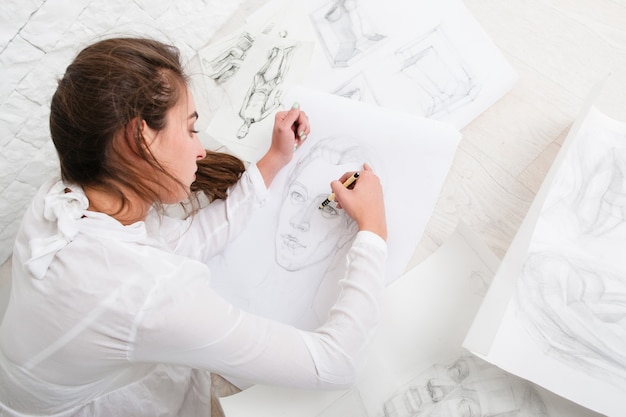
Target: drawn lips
292 242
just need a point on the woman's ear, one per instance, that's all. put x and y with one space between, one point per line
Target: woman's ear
138 136
147 133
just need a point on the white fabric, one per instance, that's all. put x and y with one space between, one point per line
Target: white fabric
108 320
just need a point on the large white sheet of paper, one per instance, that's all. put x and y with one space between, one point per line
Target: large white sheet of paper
428 58
294 251
565 276
417 366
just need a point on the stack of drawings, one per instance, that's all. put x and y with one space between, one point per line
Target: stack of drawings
427 59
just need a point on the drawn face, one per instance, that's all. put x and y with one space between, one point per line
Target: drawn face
305 233
467 388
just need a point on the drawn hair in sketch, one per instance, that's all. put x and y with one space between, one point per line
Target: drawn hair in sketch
263 96
572 287
467 387
307 234
344 31
439 70
600 198
577 312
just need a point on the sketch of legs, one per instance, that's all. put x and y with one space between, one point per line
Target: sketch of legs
263 96
438 70
468 387
344 32
228 62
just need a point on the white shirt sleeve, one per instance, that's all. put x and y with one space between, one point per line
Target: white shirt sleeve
187 323
206 233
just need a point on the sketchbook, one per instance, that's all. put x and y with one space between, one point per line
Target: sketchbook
417 366
556 312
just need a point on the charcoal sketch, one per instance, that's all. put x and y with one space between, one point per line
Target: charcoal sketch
226 64
600 204
307 234
357 88
572 288
578 311
311 243
469 387
298 250
432 64
344 31
263 96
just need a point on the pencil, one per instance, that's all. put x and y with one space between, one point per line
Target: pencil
346 184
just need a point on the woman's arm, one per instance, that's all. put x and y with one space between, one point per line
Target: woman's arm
290 130
201 330
206 234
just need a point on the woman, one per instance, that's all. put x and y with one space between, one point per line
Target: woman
111 310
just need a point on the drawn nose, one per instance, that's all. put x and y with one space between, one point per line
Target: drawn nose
300 222
302 219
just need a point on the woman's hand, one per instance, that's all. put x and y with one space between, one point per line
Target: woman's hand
363 201
291 128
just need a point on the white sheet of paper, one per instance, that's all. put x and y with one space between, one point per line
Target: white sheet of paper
427 58
295 252
565 324
253 94
417 357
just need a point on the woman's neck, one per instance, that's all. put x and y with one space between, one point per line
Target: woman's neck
104 201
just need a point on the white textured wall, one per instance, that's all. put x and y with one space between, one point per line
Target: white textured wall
38 39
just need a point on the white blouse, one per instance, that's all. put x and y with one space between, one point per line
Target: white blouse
106 319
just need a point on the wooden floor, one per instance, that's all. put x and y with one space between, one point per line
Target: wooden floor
561 49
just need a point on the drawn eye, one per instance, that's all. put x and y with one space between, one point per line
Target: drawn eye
297 197
328 211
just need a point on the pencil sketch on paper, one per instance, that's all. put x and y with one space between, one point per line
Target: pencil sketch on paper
572 288
227 62
467 387
307 234
600 205
357 88
263 95
293 274
345 31
579 311
309 241
432 63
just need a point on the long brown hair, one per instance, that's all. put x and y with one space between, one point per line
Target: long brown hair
93 119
